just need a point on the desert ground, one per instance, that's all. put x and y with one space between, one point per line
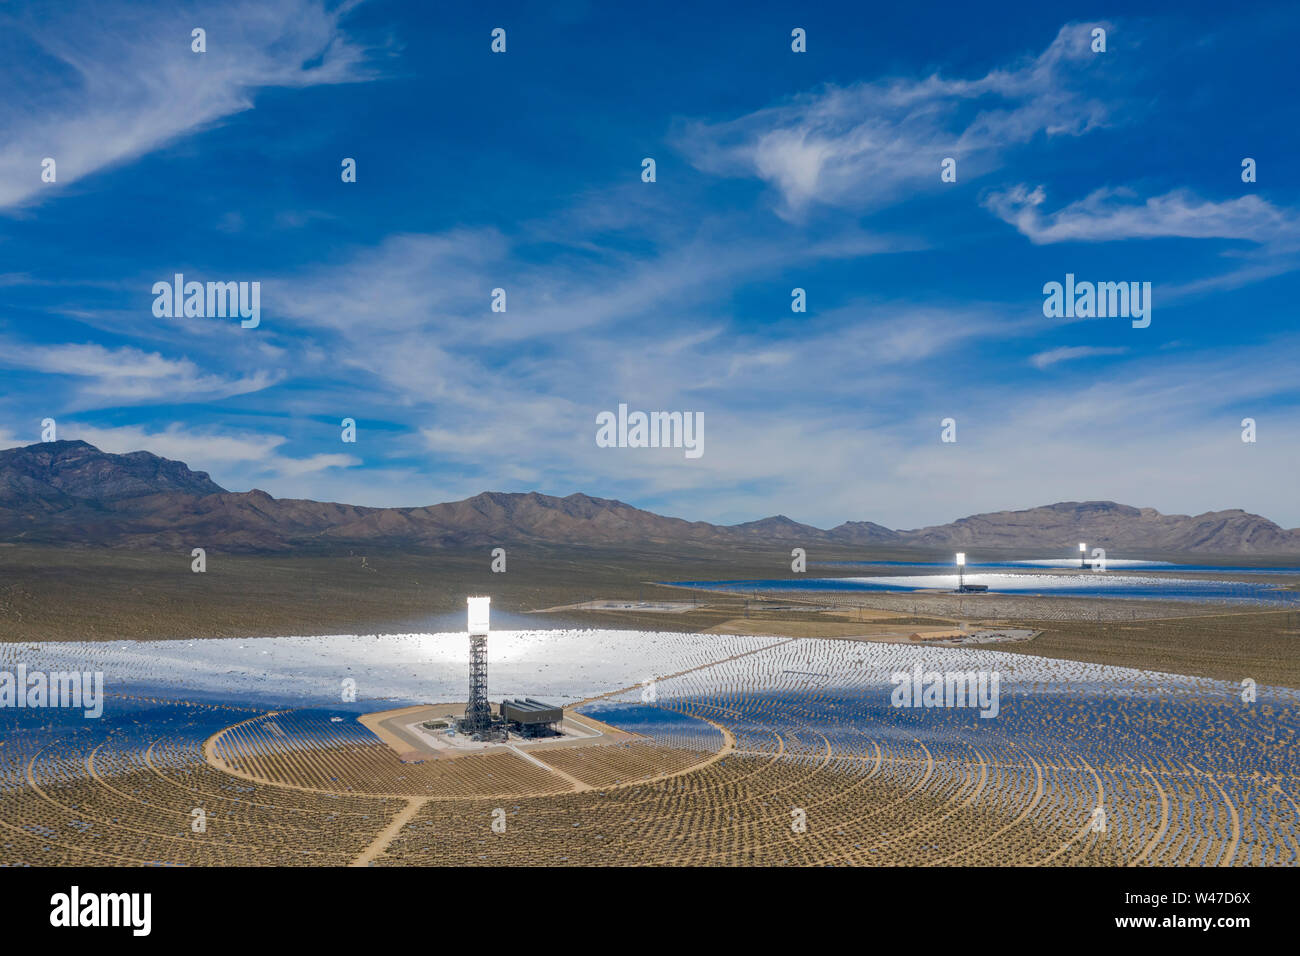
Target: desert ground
69 594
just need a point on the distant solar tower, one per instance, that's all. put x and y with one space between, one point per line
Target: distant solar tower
1083 554
478 712
961 570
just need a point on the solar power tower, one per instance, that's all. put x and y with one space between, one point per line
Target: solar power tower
478 712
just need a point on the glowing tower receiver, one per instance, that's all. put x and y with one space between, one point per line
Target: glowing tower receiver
478 615
478 712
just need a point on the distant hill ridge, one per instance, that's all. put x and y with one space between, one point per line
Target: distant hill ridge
71 492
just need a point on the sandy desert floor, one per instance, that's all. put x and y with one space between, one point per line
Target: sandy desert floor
61 594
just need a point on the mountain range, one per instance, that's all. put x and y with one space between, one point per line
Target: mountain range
71 492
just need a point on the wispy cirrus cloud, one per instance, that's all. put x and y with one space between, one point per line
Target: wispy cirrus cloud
1071 353
861 146
127 375
1114 214
116 82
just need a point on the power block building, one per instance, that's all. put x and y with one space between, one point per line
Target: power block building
531 718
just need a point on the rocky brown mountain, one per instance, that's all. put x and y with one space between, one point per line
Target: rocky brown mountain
71 492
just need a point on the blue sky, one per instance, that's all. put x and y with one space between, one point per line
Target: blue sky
775 170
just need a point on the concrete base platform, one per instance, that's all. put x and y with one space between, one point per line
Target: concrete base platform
403 731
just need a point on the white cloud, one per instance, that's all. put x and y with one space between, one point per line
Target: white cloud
296 467
1111 214
1070 353
121 81
127 376
864 145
